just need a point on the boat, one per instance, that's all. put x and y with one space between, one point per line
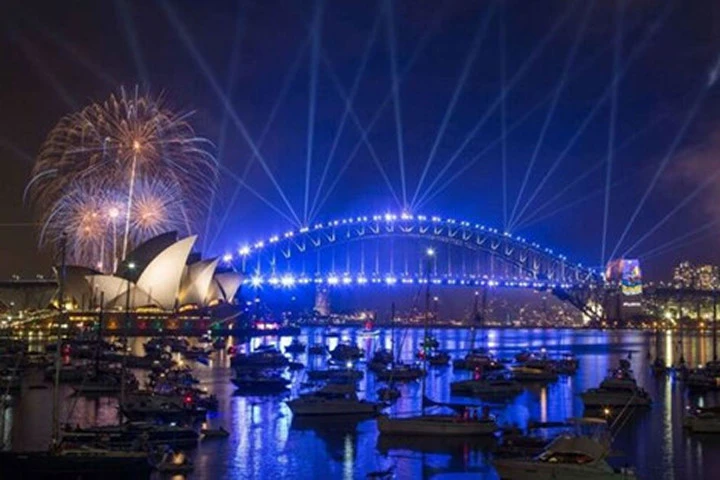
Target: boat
439 358
389 393
104 383
335 374
261 383
62 461
618 389
567 457
347 352
333 399
478 359
533 374
296 347
702 421
74 463
131 434
142 406
466 423
401 372
214 432
262 357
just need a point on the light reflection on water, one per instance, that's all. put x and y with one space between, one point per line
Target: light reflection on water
266 442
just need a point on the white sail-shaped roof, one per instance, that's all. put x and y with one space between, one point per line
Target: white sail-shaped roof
112 288
196 281
224 286
161 278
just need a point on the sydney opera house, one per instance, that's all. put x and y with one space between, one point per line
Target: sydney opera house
161 274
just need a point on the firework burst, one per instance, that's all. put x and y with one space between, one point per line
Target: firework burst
130 154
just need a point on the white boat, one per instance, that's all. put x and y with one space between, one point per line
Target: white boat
438 425
565 458
702 422
333 399
618 389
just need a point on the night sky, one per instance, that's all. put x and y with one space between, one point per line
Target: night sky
559 60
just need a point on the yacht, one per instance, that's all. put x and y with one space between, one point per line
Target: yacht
105 383
265 383
345 352
401 372
336 374
439 358
263 357
702 421
131 434
617 390
567 457
296 347
142 406
534 374
477 359
74 463
333 399
467 423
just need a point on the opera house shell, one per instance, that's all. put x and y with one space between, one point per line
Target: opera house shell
162 272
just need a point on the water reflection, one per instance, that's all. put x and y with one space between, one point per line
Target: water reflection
267 442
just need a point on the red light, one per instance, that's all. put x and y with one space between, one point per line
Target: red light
188 399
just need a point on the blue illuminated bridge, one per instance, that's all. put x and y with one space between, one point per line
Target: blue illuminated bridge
392 249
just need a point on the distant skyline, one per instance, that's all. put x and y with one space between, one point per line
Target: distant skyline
514 114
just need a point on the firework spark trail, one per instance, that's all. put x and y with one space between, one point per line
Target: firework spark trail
362 130
464 73
312 100
239 124
396 98
663 163
639 48
229 88
569 61
619 13
529 61
131 35
343 120
579 178
378 112
279 99
98 150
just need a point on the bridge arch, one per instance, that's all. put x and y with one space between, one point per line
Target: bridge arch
295 257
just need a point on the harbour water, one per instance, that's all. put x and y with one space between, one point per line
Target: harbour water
267 443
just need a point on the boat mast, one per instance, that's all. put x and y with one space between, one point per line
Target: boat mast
430 254
714 328
55 440
392 333
99 335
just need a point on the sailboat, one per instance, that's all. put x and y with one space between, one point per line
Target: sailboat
60 461
467 422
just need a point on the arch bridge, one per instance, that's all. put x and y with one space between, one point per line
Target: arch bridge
392 249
